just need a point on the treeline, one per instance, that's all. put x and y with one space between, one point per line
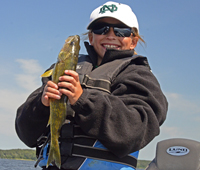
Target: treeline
29 154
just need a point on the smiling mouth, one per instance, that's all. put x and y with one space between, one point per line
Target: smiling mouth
107 46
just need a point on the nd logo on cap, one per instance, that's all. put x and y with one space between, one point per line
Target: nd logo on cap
119 11
110 8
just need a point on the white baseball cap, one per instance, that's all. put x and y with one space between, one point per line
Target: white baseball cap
115 10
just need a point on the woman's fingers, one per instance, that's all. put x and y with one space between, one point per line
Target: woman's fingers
70 86
50 91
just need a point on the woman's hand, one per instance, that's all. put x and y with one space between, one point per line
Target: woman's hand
50 91
70 86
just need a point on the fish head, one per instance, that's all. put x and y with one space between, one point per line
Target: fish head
71 46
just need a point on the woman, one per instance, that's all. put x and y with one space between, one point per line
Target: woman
116 103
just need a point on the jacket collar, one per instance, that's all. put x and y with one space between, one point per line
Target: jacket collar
110 55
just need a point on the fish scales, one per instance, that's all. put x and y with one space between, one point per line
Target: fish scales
67 60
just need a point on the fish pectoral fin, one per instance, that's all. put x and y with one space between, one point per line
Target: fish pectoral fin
47 73
49 121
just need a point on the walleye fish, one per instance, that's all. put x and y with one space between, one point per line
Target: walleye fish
67 60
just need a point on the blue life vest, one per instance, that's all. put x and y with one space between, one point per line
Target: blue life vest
94 164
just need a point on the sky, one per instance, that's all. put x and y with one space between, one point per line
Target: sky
33 32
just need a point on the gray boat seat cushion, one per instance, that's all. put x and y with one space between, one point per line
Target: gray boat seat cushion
176 154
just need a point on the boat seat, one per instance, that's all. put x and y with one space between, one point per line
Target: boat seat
176 154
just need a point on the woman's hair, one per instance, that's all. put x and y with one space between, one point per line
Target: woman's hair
137 35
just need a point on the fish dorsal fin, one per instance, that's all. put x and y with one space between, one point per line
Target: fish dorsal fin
47 73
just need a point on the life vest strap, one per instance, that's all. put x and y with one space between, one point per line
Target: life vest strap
102 154
100 84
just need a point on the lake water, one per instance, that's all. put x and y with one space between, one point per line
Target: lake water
11 164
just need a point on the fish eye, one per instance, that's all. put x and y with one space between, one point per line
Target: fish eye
72 43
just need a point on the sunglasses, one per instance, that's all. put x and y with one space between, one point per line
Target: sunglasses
119 30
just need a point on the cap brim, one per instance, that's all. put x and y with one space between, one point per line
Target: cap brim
92 23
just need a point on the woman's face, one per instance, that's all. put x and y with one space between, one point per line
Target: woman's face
110 40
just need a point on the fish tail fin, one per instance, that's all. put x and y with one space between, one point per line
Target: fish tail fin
54 156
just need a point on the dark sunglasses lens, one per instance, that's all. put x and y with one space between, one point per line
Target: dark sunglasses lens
122 32
102 30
